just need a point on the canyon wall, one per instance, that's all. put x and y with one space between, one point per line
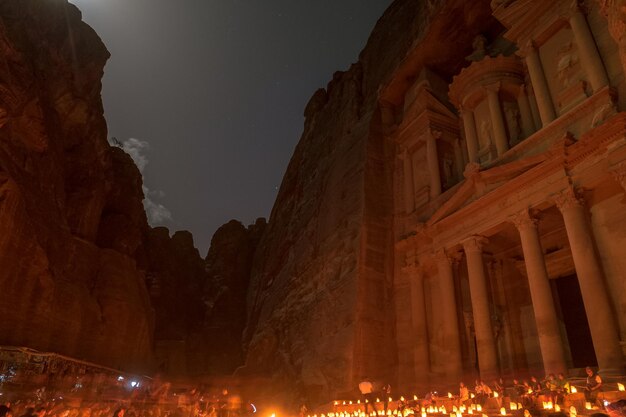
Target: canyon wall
320 304
81 272
71 214
321 301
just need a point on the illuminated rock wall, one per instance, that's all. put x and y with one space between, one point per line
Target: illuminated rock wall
321 303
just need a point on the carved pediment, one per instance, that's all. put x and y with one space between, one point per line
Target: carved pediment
479 183
425 111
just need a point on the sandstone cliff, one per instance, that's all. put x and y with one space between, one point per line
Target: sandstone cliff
320 302
81 272
71 217
215 347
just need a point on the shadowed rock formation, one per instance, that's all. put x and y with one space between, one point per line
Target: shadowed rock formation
71 217
321 311
81 272
216 347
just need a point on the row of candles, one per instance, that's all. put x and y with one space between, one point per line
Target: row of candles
573 390
473 409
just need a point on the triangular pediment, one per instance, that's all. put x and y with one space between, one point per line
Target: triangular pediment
425 111
481 183
426 101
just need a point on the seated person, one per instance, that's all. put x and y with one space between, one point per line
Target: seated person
594 385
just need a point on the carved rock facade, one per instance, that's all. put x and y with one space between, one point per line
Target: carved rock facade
446 217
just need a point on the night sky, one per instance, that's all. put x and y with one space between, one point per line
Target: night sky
208 95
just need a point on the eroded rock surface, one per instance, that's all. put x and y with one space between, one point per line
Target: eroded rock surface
71 217
321 313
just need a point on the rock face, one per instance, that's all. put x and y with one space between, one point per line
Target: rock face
71 217
216 348
81 272
321 309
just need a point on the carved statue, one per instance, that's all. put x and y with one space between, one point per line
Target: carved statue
500 46
566 62
512 116
448 171
485 133
480 49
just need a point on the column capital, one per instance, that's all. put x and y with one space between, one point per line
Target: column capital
528 48
619 173
474 243
575 7
493 88
524 220
415 269
451 257
569 198
435 133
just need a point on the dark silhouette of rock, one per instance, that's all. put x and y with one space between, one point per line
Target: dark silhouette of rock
70 205
217 347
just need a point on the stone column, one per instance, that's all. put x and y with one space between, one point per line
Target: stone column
589 57
614 11
497 121
541 294
528 124
459 159
487 358
433 162
540 84
421 354
409 190
448 308
596 299
471 137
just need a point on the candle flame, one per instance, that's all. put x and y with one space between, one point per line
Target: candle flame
557 408
495 394
503 411
620 386
513 406
574 390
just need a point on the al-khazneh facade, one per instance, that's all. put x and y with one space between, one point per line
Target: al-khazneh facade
510 212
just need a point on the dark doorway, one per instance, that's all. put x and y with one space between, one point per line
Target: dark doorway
575 320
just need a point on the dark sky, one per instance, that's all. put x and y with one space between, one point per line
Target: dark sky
208 95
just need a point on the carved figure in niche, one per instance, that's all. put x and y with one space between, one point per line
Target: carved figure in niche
567 60
484 153
500 46
512 116
496 322
480 49
448 172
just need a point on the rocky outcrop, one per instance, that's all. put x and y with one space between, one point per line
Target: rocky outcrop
216 348
320 302
71 217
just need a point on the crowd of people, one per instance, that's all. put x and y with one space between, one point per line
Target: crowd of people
142 400
526 392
